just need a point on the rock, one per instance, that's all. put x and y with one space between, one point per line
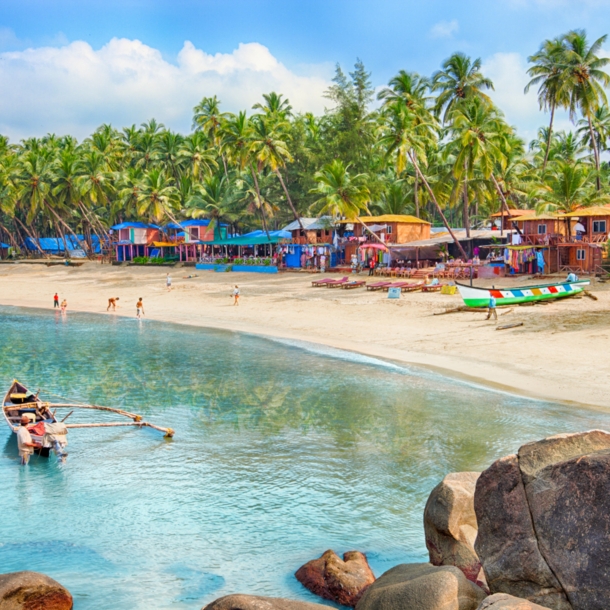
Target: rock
340 580
502 601
544 518
450 524
422 586
255 602
32 591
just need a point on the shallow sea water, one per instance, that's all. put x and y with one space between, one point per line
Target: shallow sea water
280 452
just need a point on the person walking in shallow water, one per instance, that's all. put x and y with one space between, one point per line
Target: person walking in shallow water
139 308
112 303
56 301
64 306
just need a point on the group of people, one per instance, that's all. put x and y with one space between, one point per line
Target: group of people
56 305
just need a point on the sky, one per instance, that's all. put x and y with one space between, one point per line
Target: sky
68 66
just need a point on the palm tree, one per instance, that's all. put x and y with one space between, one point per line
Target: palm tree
547 72
601 129
460 78
409 87
157 197
395 199
585 81
196 156
274 107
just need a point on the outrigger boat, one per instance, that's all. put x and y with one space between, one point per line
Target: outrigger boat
20 401
479 297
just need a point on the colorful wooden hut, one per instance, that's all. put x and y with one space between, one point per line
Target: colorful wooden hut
505 218
133 239
541 229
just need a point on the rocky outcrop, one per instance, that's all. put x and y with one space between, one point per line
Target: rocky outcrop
340 580
503 601
422 586
256 602
32 591
544 518
450 524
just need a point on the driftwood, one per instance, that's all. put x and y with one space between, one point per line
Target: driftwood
505 326
590 295
504 313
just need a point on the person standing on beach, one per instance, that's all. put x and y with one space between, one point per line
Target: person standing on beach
492 308
112 303
139 308
55 301
25 443
168 282
64 306
236 295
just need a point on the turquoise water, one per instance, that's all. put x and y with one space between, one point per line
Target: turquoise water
280 453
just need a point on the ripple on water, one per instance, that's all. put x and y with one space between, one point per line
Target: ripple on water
280 453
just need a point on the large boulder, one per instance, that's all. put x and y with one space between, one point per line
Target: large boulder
503 601
544 519
450 524
422 586
32 591
256 602
340 580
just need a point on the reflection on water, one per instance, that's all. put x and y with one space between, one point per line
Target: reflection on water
279 454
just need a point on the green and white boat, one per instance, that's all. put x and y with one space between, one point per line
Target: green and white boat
479 297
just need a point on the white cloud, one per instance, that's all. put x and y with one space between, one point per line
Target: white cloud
74 88
445 29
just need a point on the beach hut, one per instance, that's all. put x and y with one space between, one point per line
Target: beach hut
190 235
310 245
4 250
505 219
540 229
133 239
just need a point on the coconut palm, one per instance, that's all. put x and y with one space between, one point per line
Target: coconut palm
460 78
548 74
157 196
274 107
409 87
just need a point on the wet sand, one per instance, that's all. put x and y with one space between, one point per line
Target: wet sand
560 352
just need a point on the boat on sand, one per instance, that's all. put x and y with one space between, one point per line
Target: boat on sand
19 401
475 296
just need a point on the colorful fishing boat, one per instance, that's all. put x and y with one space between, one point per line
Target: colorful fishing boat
19 401
479 297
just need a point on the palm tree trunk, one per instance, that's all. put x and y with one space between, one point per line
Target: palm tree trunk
595 152
548 141
59 230
466 214
438 207
61 222
504 203
415 191
260 202
296 214
10 236
34 241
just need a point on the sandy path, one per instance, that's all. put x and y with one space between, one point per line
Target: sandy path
560 353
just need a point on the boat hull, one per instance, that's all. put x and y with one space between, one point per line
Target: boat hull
479 297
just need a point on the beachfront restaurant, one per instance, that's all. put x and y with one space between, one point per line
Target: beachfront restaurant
310 246
189 236
134 238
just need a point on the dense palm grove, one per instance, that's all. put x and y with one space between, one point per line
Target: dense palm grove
434 147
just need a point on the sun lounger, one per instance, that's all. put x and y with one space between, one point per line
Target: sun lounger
336 283
325 281
353 284
432 287
377 285
406 286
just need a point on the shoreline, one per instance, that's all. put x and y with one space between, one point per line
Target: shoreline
287 308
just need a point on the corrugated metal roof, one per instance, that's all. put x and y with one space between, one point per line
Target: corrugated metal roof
404 218
310 224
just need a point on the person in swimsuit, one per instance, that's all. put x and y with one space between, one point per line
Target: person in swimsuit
139 308
64 306
112 303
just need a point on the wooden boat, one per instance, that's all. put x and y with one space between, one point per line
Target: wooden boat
479 297
19 401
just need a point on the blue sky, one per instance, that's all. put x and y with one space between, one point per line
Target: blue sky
67 65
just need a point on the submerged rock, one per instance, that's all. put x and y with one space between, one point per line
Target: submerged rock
450 524
32 591
544 518
256 602
340 580
422 586
503 601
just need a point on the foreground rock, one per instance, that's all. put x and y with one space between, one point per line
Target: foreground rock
340 580
544 518
32 591
450 524
422 586
503 601
255 602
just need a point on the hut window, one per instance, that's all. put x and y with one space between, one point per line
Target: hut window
388 229
541 229
599 226
580 255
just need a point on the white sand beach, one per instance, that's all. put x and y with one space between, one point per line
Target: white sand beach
559 353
